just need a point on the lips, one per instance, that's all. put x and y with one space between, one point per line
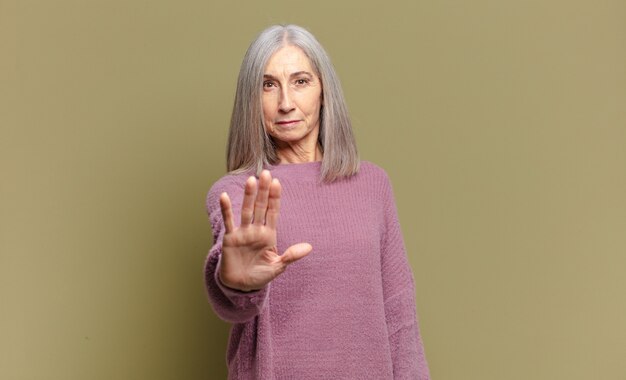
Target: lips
287 122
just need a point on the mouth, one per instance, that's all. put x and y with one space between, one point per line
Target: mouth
287 122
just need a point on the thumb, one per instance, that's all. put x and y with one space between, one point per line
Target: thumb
296 252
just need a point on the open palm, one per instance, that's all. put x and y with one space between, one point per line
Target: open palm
249 256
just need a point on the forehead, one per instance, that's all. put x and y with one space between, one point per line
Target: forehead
288 59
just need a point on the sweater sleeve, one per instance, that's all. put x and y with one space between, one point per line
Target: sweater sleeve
231 305
407 350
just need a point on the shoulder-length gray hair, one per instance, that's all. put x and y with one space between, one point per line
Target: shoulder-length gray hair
249 145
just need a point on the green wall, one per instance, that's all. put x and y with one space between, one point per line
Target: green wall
501 123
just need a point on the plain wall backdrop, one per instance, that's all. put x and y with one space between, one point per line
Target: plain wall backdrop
502 125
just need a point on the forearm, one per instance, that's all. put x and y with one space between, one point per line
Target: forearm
405 342
407 354
231 305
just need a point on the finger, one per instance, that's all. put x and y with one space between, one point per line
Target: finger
227 212
260 206
247 207
273 204
296 252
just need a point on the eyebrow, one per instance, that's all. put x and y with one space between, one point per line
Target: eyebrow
297 73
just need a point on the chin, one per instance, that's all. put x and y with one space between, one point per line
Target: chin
288 139
291 136
288 135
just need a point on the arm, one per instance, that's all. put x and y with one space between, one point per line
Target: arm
244 258
407 350
231 305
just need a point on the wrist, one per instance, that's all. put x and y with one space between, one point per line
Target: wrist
233 286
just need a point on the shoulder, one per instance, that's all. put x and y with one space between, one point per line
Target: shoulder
371 167
373 172
231 183
378 180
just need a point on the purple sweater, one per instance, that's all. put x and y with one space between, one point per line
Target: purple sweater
347 310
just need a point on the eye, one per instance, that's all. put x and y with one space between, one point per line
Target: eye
268 84
302 81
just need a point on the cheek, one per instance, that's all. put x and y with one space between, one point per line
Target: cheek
314 104
268 110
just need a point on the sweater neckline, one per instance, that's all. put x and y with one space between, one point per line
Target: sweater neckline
302 170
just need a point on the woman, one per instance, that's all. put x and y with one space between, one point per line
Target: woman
325 291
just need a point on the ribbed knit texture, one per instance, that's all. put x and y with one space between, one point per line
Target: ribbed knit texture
347 310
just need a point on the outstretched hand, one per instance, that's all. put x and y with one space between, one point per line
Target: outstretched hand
249 256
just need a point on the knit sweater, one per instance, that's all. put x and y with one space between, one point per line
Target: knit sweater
345 311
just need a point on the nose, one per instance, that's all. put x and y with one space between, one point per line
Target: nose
286 104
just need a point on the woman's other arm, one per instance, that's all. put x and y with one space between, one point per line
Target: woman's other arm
407 350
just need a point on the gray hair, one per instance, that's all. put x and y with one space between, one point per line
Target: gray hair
250 147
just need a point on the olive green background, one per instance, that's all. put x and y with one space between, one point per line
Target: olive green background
501 123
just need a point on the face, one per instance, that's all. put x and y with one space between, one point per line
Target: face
292 98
